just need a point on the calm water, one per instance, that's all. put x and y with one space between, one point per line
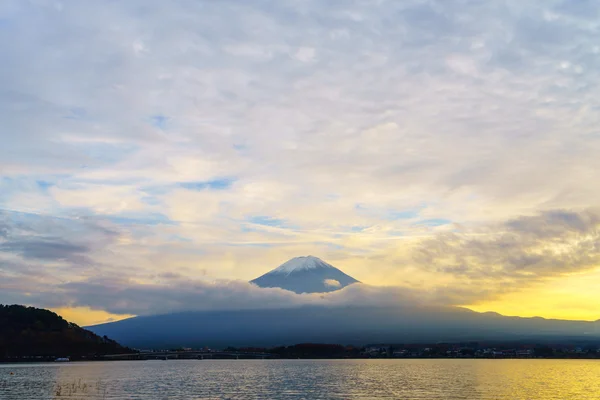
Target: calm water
304 379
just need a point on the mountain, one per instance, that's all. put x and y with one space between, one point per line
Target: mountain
346 325
29 331
356 325
305 275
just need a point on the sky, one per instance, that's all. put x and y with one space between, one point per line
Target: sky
156 156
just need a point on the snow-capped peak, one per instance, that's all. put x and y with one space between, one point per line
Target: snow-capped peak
300 264
305 275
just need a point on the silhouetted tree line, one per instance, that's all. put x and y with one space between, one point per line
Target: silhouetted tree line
315 350
30 332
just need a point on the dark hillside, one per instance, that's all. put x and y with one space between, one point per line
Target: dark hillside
30 332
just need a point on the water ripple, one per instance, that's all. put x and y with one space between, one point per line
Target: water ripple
305 379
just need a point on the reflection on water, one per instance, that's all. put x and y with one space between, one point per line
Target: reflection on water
304 379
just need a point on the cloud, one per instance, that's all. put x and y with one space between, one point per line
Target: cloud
45 250
37 248
332 283
220 141
122 297
3 230
469 265
518 252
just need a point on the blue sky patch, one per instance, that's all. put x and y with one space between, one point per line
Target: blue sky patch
434 222
265 220
44 185
178 238
145 219
159 121
216 184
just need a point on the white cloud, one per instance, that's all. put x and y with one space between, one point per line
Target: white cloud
122 297
332 283
305 54
356 130
101 199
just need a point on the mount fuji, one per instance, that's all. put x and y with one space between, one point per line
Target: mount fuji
349 324
305 275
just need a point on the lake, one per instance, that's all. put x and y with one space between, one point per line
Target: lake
304 379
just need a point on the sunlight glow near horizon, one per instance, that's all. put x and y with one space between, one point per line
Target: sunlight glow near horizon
84 316
154 154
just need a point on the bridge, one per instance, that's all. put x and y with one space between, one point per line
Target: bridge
190 355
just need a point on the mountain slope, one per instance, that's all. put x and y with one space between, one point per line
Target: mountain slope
345 325
29 331
305 275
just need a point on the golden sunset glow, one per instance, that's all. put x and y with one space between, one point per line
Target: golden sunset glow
84 316
573 297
